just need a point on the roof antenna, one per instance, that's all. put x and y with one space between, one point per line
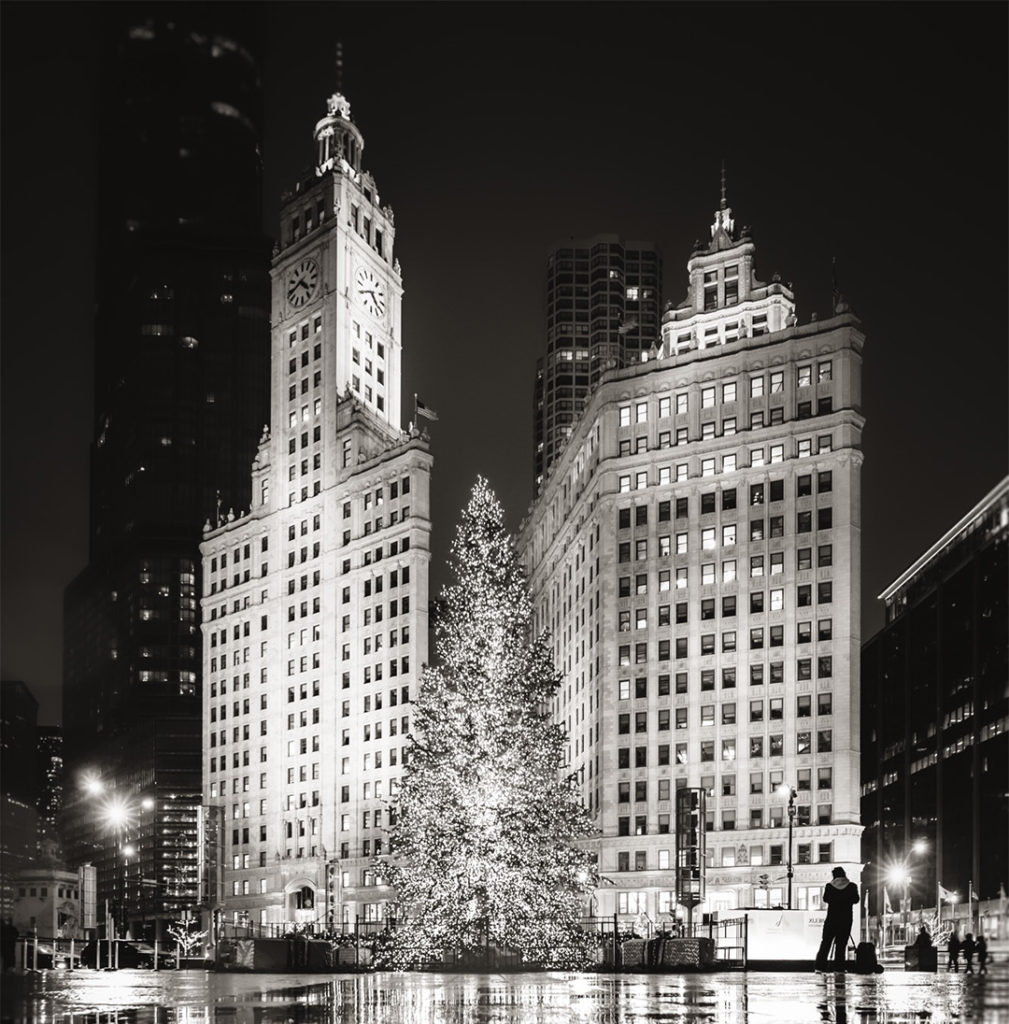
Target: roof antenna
339 67
722 204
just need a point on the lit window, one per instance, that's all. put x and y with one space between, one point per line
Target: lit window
707 398
756 456
641 412
805 376
681 472
756 387
707 467
728 570
625 415
729 392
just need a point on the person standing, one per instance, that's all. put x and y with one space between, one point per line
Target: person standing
954 950
982 955
840 895
969 946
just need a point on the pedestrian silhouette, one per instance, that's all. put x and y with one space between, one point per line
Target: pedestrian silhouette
954 950
839 896
982 955
969 945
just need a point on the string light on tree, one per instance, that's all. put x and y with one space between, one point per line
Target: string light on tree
485 841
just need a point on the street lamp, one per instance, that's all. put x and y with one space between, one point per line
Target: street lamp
900 875
786 790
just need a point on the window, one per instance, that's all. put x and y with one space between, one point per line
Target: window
756 387
625 415
824 704
729 535
824 372
777 381
824 555
728 572
707 398
729 392
824 592
824 778
804 376
824 518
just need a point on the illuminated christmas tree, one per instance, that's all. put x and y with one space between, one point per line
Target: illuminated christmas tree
484 845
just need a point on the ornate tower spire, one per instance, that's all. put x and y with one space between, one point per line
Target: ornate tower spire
723 228
339 143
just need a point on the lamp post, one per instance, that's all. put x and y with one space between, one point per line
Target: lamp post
786 790
900 875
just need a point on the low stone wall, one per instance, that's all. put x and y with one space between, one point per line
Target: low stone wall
698 953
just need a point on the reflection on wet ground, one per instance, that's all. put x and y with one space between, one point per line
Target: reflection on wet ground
145 997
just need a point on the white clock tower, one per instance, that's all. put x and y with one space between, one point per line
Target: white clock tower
315 603
336 261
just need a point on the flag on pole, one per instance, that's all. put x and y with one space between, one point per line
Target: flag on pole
424 410
887 909
944 893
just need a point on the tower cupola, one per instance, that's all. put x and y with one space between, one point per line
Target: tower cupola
338 140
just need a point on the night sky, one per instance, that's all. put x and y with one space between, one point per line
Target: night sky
873 133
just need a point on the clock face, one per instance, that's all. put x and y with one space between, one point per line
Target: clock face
370 292
303 283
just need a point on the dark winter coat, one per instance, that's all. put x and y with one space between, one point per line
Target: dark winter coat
839 897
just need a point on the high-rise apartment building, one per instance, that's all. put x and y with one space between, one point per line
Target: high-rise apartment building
49 758
315 602
18 786
694 554
935 712
602 312
182 345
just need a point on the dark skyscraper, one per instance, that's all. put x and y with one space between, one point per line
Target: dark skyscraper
18 784
603 302
181 398
934 712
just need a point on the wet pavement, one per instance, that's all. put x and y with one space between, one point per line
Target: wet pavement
191 997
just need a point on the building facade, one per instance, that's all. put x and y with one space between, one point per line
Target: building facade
603 302
181 365
49 754
694 554
315 602
935 714
18 786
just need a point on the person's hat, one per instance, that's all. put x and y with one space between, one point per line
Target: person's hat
839 873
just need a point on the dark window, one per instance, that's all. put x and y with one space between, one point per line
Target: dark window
803 485
728 499
641 515
729 606
825 555
777 489
681 508
824 482
707 503
623 518
824 518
